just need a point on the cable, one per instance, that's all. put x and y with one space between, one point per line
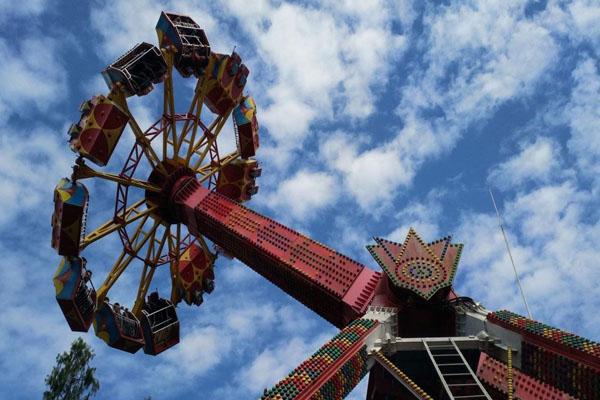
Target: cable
510 254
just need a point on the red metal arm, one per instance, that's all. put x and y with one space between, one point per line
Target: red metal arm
557 358
333 371
495 375
334 286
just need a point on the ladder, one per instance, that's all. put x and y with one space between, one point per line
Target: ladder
457 377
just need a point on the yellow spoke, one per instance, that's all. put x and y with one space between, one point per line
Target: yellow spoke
83 171
145 280
212 140
169 102
174 262
125 258
146 145
208 170
165 133
119 98
152 256
199 104
161 244
204 138
132 214
186 125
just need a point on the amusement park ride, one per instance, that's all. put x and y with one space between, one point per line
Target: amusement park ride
176 194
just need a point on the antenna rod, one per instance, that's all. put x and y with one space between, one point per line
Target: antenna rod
510 254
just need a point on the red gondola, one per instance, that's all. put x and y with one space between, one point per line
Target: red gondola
97 133
226 76
68 220
196 274
238 180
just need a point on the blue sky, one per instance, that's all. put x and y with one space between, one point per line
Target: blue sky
375 116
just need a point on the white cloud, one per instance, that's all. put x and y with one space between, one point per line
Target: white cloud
30 166
484 272
303 194
583 116
497 52
134 21
34 324
372 176
30 8
469 60
32 76
586 15
422 215
575 21
554 243
244 320
274 363
489 51
406 12
477 57
199 351
538 161
236 273
317 60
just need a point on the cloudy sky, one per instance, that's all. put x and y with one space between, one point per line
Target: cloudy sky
375 116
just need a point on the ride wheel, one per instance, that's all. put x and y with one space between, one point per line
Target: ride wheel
177 146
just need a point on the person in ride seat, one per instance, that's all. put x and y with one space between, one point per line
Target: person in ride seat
87 276
130 326
154 301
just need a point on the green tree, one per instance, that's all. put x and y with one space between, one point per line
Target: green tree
72 378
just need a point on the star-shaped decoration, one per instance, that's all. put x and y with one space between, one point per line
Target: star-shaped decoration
423 268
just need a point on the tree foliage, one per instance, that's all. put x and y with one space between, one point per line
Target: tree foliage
72 378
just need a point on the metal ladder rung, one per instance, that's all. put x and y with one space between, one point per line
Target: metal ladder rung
468 374
457 374
465 375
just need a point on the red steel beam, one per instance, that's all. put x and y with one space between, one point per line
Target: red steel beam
565 343
495 374
333 371
334 286
558 358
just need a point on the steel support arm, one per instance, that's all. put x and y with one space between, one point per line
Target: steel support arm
334 286
558 358
333 371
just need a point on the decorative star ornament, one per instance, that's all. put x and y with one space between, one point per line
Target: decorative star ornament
422 268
